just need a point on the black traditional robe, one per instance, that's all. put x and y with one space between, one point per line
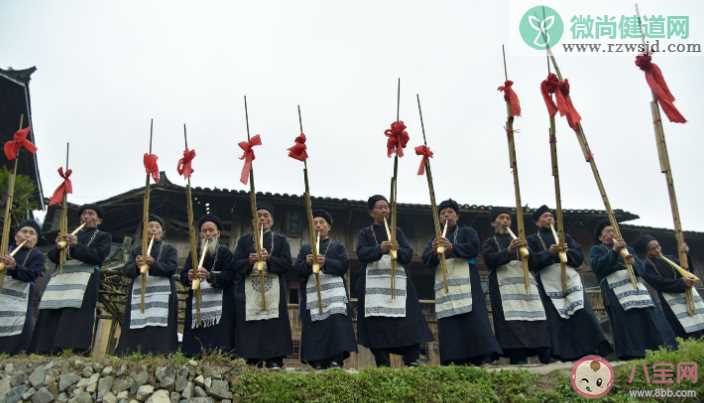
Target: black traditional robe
467 337
151 339
263 339
636 329
219 337
581 334
73 328
663 278
518 338
30 265
379 332
330 339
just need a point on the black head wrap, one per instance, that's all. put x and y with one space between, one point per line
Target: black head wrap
323 214
374 199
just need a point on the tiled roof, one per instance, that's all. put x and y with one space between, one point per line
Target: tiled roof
165 183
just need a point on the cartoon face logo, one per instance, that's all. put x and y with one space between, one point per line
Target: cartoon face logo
592 377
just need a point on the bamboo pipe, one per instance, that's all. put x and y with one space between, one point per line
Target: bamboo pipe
523 252
12 254
143 271
316 273
689 298
195 284
562 255
62 244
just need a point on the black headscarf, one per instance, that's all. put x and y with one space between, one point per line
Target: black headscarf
210 218
374 199
266 205
641 245
154 217
497 211
32 224
98 210
323 214
600 227
449 203
540 211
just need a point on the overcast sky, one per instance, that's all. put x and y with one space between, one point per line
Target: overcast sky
105 68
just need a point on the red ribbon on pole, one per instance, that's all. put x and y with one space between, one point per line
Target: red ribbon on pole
248 156
184 164
426 153
548 87
65 187
397 138
19 141
657 84
511 97
561 89
151 166
298 150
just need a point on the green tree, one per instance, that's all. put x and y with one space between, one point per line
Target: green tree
23 201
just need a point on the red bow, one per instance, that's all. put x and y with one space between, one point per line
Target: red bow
184 164
561 89
151 166
19 141
511 97
248 156
298 149
426 153
656 81
397 138
64 187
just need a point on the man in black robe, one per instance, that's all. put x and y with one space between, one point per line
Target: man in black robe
672 288
20 273
152 331
574 330
209 326
464 331
327 336
636 322
520 322
263 331
387 325
67 309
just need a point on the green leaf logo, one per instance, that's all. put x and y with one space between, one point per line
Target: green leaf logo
541 27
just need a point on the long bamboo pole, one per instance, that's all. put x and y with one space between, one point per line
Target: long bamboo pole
589 158
666 168
524 253
63 223
309 216
394 210
433 204
192 238
144 269
7 219
559 215
257 228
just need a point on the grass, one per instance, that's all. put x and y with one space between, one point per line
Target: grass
423 384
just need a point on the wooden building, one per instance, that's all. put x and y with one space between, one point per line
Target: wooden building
14 93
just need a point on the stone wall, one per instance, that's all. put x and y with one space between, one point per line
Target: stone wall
111 380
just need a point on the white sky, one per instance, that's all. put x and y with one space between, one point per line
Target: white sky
105 68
